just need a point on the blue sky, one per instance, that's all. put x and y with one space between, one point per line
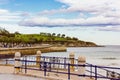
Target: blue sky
90 20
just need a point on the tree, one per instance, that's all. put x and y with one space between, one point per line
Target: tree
43 34
53 34
58 35
74 38
68 38
63 35
48 34
4 31
17 33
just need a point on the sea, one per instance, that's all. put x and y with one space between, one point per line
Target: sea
109 55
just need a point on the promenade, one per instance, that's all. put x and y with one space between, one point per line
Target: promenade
17 77
7 73
31 75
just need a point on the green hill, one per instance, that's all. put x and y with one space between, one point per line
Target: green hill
54 39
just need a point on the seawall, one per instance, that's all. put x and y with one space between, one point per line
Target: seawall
29 50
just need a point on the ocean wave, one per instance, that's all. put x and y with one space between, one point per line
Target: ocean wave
109 58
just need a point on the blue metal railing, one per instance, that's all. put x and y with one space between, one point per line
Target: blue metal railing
49 64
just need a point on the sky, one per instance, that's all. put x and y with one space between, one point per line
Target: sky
89 20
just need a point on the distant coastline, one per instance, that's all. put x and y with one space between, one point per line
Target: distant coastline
12 40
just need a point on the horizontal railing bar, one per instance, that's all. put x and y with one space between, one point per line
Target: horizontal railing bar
94 73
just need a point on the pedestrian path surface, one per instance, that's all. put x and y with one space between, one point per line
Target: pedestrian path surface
7 73
17 77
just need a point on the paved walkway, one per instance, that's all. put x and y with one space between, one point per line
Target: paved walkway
17 77
7 73
32 75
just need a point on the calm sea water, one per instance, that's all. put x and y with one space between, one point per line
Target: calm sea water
108 55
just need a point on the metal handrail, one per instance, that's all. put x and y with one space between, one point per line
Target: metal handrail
93 72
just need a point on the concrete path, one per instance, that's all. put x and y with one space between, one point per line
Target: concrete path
17 77
7 73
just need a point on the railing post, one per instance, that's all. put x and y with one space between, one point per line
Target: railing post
53 61
38 58
45 68
68 71
91 70
17 64
50 66
25 64
81 68
65 63
95 72
6 59
72 57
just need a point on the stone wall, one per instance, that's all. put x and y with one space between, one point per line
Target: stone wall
30 50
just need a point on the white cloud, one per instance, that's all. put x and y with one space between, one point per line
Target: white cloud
91 5
62 10
104 13
109 28
25 14
8 16
47 22
3 11
114 14
107 8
